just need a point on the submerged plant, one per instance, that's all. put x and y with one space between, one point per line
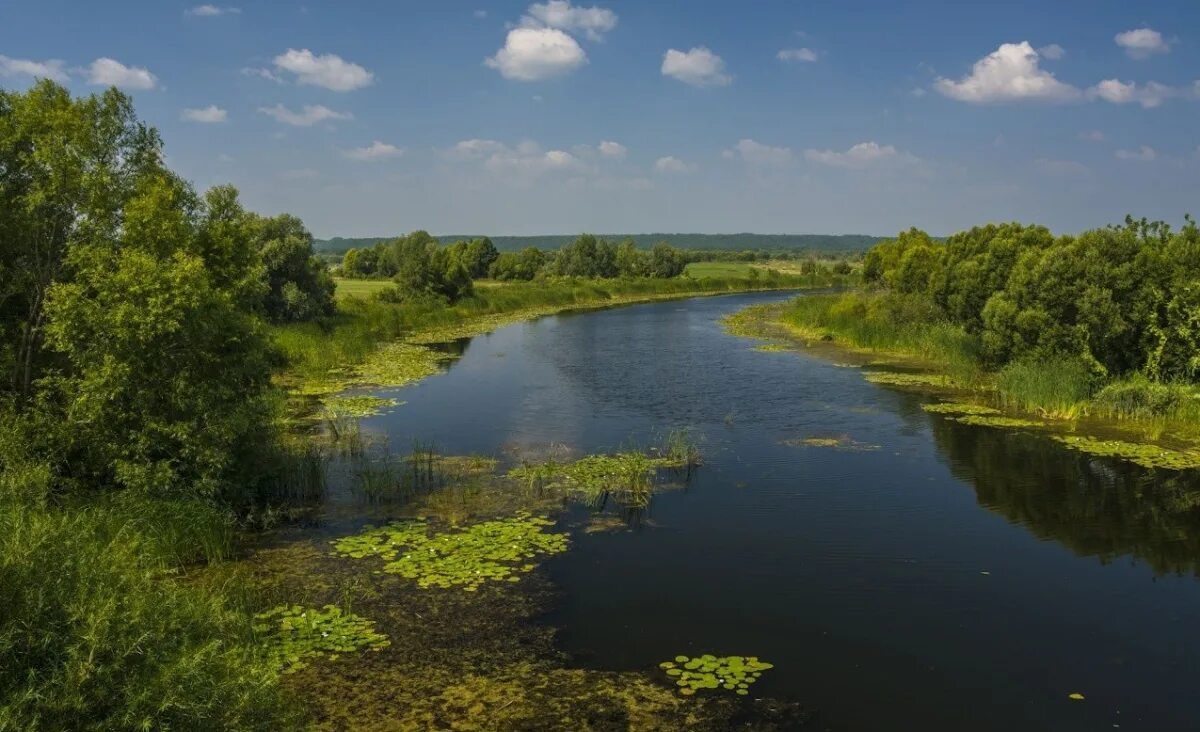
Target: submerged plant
293 635
731 673
958 408
1146 455
495 550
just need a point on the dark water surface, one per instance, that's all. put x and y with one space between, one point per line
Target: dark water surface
957 578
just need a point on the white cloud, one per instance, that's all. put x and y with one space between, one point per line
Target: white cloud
526 159
480 14
1008 74
328 71
698 67
533 54
211 11
1149 95
672 164
610 149
1052 52
1142 43
109 72
862 155
593 21
797 54
756 153
1092 136
377 150
1145 153
48 69
263 74
211 114
307 117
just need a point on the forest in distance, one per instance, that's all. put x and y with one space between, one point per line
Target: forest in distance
175 370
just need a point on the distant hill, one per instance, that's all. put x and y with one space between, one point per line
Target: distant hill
774 242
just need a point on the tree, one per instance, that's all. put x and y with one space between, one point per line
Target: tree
631 262
523 265
299 284
666 261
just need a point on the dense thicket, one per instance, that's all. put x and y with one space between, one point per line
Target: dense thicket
136 374
1118 300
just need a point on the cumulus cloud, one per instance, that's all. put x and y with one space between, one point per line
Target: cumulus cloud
377 150
862 155
806 55
307 117
211 11
527 159
49 69
561 14
480 14
1053 52
699 67
263 74
756 153
109 72
672 164
1145 153
534 54
1008 74
328 71
1149 95
610 149
212 114
1142 43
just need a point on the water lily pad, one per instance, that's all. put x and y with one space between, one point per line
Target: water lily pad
292 634
728 673
1146 455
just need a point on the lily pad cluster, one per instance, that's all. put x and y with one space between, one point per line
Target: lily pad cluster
731 673
844 442
899 378
1146 455
293 634
991 420
358 406
959 408
490 551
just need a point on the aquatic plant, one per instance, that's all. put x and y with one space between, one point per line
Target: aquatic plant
771 348
899 378
843 442
627 476
357 406
293 634
958 408
1146 455
495 550
989 420
731 673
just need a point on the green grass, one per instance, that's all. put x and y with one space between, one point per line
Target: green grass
700 270
347 287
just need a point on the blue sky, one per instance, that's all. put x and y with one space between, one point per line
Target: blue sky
373 118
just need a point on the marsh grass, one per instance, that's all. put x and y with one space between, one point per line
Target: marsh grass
1055 387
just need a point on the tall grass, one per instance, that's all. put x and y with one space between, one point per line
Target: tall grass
1055 387
94 634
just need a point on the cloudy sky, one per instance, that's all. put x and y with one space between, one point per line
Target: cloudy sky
373 118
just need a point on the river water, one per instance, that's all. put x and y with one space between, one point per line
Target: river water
934 576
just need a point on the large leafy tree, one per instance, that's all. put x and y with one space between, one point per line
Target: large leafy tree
299 284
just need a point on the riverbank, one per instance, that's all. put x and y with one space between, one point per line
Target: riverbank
1155 425
374 343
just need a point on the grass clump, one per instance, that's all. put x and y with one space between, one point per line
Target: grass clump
1055 387
490 551
963 408
293 635
628 477
731 673
1148 456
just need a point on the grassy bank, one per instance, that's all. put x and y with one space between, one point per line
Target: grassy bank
373 342
909 333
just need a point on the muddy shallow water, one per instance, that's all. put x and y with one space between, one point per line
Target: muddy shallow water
902 570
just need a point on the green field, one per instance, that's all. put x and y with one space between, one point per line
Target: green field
358 288
718 269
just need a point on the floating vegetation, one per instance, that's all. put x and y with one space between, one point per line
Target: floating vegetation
496 550
399 364
989 420
293 634
627 476
1148 456
959 408
843 442
358 406
901 378
771 348
732 673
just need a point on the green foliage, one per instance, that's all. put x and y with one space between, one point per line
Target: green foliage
95 635
958 408
293 635
494 551
731 673
522 265
1148 456
1058 386
299 286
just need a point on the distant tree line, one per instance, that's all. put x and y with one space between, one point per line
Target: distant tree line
1119 300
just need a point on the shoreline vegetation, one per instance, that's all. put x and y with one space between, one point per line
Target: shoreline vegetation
979 319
